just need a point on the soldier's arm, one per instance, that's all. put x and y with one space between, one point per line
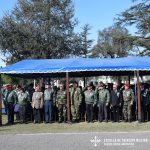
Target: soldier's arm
95 98
96 95
53 97
108 96
80 96
15 97
28 96
132 96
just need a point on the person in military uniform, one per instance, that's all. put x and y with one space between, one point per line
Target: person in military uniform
76 99
23 98
90 100
11 99
61 103
103 97
115 102
128 98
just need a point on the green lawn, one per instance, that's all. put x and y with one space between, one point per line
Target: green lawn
77 127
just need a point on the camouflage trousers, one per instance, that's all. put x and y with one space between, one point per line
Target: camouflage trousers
75 112
127 111
62 112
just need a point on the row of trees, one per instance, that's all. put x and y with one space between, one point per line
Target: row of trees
45 29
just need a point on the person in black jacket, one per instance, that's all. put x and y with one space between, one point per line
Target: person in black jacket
145 101
115 102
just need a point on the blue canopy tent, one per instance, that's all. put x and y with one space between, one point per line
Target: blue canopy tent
76 67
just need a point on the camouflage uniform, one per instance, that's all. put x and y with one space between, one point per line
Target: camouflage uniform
61 101
76 99
128 98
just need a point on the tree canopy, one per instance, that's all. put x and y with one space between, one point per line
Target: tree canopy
139 16
38 29
112 42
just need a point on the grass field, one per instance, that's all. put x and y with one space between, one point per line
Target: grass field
77 127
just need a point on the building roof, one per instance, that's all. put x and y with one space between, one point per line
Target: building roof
80 66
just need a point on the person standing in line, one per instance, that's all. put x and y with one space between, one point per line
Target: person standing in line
11 99
115 102
61 103
37 104
76 100
4 91
90 100
23 99
103 97
128 99
17 89
48 103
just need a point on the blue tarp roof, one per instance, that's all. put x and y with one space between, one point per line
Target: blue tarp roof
44 66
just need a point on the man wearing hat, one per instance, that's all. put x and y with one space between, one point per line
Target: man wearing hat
90 100
128 98
103 97
11 99
61 103
48 103
76 99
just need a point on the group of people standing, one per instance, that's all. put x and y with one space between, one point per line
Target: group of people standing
52 102
103 98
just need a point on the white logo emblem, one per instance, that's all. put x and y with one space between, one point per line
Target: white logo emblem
95 141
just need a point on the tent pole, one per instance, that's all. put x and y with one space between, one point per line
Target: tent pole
135 91
139 96
68 99
0 101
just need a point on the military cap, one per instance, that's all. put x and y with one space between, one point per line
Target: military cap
90 84
101 84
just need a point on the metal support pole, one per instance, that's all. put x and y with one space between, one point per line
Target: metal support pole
139 97
68 99
0 101
135 91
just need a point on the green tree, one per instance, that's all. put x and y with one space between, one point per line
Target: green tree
85 42
38 29
139 16
112 42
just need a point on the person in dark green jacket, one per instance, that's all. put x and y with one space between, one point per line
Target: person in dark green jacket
11 99
90 100
23 98
103 97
